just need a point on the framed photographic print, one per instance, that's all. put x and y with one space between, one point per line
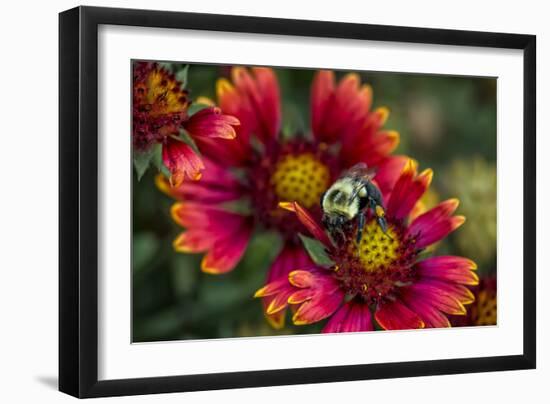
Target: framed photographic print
252 201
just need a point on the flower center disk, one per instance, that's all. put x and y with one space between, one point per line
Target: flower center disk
376 250
381 262
300 178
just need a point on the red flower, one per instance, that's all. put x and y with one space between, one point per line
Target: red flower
382 273
263 169
160 111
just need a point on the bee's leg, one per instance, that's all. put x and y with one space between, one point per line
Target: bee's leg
360 226
380 218
383 224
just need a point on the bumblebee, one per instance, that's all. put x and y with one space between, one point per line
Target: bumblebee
351 196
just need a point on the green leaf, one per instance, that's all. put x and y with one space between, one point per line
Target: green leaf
157 156
157 161
142 160
181 76
316 251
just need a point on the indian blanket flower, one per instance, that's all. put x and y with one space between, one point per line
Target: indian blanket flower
263 169
161 110
384 276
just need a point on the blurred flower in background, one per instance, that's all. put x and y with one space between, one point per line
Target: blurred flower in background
160 113
425 120
262 168
474 181
383 272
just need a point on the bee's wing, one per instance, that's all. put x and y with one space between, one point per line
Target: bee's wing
361 170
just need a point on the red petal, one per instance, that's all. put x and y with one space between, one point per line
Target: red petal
226 252
368 143
431 317
278 287
302 278
388 172
408 190
436 223
182 161
307 220
344 109
270 102
442 299
210 122
227 152
224 234
301 296
458 292
235 152
255 102
449 268
193 241
396 316
318 308
271 288
208 217
382 144
217 185
277 303
259 98
351 317
324 296
321 92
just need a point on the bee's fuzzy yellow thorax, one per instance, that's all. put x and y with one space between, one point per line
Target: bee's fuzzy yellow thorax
341 204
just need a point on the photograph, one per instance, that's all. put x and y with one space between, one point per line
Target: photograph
274 201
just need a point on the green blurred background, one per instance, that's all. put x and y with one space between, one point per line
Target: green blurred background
447 123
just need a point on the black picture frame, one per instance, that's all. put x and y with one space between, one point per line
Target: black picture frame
78 201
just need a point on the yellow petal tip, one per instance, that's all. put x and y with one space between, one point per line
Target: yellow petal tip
455 202
208 269
287 205
296 320
223 86
428 173
274 308
383 113
260 292
459 220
